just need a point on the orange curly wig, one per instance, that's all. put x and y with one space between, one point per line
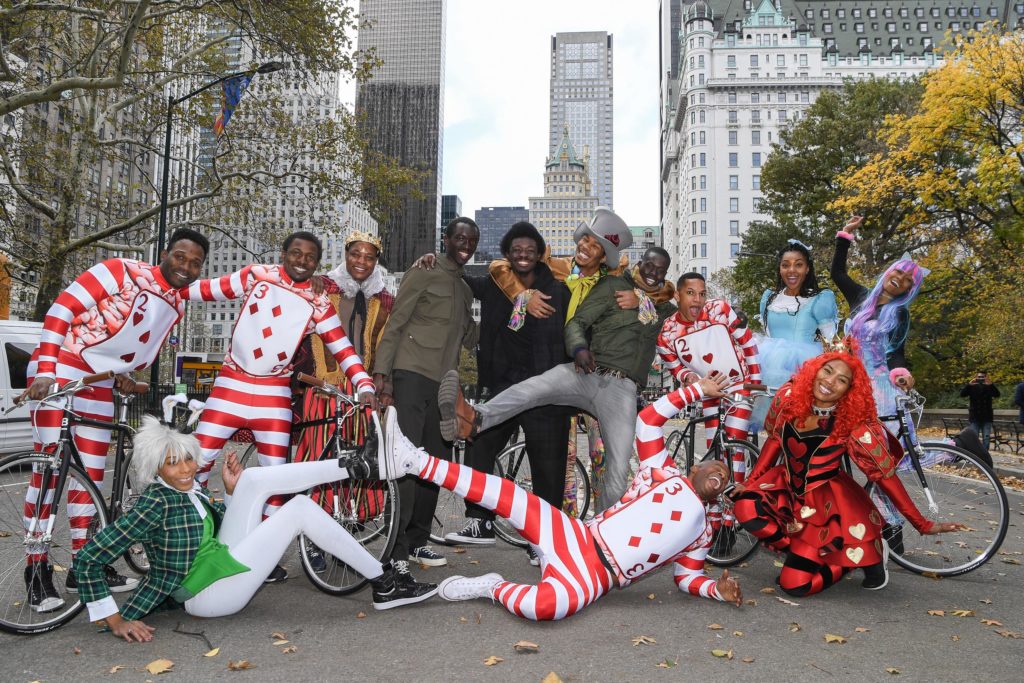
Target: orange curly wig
855 408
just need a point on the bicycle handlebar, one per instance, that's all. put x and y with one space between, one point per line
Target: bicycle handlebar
97 378
325 387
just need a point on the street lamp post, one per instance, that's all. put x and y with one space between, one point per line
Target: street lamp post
172 101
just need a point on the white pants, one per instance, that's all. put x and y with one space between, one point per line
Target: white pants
260 545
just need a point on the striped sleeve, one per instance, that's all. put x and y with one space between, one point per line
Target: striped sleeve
650 436
328 326
669 360
222 288
94 285
690 577
743 338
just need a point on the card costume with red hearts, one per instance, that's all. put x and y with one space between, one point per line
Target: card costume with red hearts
717 340
114 316
660 520
253 388
808 507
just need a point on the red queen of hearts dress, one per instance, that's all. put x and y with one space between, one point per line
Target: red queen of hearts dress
808 507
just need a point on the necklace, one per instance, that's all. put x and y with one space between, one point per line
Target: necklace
823 412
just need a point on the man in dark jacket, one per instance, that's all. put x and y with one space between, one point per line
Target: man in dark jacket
514 347
1018 400
613 349
979 392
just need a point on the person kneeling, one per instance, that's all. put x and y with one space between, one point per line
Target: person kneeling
213 559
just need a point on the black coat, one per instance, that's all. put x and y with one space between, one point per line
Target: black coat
506 357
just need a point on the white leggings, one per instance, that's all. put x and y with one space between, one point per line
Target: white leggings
259 545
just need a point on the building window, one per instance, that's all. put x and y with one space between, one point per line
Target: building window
733 137
730 62
734 159
703 204
755 116
733 116
703 116
755 137
734 250
704 271
703 227
732 97
703 182
703 138
734 228
890 27
872 12
858 27
755 97
755 159
781 97
826 28
755 182
805 96
923 27
753 61
825 14
703 159
734 182
803 60
693 250
780 60
734 204
703 249
757 204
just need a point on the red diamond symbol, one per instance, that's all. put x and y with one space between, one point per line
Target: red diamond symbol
676 516
276 310
257 353
253 307
658 497
634 541
267 332
653 558
656 528
282 355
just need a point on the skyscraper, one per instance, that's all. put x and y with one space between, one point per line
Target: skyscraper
581 97
494 222
403 103
568 199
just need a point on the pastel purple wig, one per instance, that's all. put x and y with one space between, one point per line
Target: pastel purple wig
873 322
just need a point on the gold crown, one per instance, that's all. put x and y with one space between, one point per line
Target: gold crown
360 236
837 344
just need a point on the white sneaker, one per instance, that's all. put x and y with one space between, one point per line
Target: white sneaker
469 587
399 456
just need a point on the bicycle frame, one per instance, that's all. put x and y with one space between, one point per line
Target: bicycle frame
907 434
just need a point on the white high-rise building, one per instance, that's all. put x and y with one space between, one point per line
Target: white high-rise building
723 106
581 98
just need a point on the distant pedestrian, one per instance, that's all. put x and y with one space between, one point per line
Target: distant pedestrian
1018 400
980 391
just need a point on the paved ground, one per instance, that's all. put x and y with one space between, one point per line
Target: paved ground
344 638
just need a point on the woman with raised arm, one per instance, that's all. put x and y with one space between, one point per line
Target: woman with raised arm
808 507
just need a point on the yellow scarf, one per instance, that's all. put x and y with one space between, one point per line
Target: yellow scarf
579 287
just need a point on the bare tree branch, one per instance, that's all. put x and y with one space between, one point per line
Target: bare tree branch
26 196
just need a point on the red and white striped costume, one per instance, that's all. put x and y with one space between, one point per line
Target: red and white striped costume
114 316
659 520
717 340
253 388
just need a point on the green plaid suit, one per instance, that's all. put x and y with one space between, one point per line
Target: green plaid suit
169 528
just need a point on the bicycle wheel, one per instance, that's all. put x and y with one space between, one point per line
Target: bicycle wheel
674 447
513 463
731 543
135 556
963 490
15 475
250 458
368 510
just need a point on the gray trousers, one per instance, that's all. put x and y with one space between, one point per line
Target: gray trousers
612 400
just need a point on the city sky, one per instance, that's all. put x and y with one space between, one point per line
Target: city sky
496 99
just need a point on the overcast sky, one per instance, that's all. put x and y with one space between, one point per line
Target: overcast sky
496 99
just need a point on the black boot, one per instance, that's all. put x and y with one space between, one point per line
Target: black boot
362 463
389 590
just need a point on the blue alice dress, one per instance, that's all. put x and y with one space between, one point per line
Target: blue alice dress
790 324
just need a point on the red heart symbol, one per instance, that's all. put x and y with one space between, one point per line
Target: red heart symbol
687 357
127 358
141 367
798 482
707 357
797 465
144 338
136 318
734 372
797 449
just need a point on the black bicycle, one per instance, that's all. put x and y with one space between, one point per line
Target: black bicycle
27 527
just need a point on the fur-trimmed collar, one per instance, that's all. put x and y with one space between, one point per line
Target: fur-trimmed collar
348 286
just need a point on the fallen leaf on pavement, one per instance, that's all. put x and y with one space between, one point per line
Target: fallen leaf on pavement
116 668
650 596
715 627
832 638
892 670
643 640
213 653
794 627
291 649
861 629
744 565
1010 634
667 663
1010 560
954 638
492 660
526 646
738 634
78 650
937 612
280 642
932 575
747 660
159 666
777 564
240 665
277 635
361 615
985 601
784 601
768 590
722 653
463 620
474 561
963 613
552 677
991 622
751 602
458 551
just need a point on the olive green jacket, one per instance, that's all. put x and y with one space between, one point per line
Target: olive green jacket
616 337
430 320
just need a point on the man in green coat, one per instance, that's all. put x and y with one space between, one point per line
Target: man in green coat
613 350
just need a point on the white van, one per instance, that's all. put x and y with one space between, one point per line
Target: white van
19 339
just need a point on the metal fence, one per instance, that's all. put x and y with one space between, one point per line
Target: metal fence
149 403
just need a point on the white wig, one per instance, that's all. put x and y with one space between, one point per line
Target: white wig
154 443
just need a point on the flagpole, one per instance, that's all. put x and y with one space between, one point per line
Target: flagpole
172 101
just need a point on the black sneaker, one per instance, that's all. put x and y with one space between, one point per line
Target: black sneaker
395 589
876 577
426 556
42 595
477 532
278 575
532 554
893 535
317 561
117 583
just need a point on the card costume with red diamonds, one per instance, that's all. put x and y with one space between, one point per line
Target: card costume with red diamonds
716 340
253 388
114 316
